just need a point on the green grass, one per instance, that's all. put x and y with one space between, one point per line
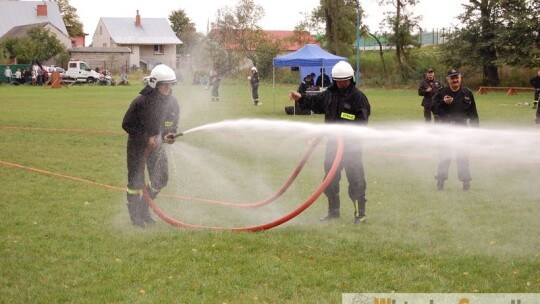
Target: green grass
65 241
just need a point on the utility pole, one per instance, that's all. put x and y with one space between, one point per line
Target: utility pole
358 43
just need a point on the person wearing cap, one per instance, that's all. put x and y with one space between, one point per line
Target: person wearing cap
535 82
151 119
342 103
454 104
428 86
254 81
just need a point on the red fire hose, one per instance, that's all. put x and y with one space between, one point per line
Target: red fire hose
311 199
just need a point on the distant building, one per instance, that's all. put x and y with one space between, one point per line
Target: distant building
16 17
112 59
21 31
17 13
151 40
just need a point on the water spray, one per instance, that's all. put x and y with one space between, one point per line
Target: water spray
308 202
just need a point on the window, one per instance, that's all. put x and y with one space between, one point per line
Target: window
158 49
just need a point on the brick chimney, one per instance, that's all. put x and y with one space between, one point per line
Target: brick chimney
138 19
42 10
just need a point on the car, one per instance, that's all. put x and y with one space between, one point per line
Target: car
52 68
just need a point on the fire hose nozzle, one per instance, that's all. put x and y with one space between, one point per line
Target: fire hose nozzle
178 134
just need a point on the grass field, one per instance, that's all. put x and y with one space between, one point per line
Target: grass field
67 238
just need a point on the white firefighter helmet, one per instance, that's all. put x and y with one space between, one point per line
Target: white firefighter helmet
254 69
161 74
342 71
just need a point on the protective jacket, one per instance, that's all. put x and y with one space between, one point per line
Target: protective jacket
461 110
535 82
347 105
424 85
151 114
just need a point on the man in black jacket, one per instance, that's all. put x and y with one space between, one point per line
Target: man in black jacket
535 82
454 105
427 89
342 103
152 118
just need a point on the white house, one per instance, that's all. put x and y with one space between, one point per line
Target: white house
19 15
151 40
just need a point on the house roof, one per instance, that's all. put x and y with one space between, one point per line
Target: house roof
21 31
288 41
291 40
100 50
16 13
151 31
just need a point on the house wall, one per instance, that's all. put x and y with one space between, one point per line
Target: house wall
102 38
168 57
113 62
65 40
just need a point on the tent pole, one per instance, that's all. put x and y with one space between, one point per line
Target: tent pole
274 86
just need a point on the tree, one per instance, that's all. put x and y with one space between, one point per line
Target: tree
184 30
236 35
402 23
495 32
39 45
339 18
71 19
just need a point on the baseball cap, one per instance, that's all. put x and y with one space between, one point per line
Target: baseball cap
453 72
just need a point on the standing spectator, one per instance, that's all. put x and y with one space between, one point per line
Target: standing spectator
535 82
27 76
18 76
39 76
7 73
34 76
454 105
342 103
323 80
428 86
254 81
152 118
215 80
538 117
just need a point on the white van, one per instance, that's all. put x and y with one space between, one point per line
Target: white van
80 71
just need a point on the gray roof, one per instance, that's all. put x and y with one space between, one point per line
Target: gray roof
16 13
101 50
151 31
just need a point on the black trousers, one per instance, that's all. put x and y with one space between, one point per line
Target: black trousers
462 160
255 92
156 163
354 170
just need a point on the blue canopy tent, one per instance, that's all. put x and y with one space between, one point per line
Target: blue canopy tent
310 58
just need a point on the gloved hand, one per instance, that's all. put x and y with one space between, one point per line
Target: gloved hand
169 138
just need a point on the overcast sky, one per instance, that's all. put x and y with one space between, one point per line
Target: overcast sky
279 14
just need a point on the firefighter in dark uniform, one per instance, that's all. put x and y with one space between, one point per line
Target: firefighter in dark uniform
342 103
152 118
535 82
254 81
454 104
428 87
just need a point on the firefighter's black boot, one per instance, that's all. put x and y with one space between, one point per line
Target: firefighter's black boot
145 209
133 205
333 210
359 212
440 183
